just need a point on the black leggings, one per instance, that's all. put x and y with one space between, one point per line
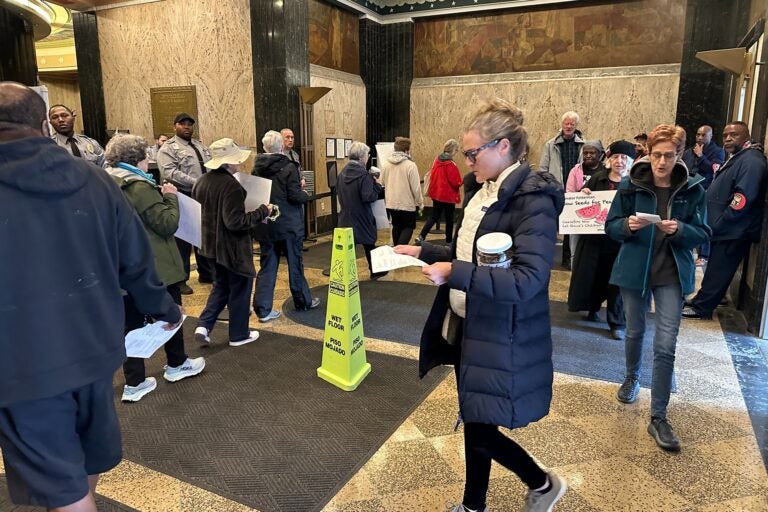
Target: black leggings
438 208
483 443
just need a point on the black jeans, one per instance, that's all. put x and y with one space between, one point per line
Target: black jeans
229 290
133 368
484 443
267 276
205 267
725 256
403 224
438 208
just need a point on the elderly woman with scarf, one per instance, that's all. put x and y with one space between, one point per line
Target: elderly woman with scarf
158 208
595 254
500 342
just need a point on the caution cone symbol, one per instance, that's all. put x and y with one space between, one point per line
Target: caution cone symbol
344 363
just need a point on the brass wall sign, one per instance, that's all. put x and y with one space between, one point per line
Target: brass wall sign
167 102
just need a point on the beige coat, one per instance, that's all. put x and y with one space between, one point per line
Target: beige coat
402 188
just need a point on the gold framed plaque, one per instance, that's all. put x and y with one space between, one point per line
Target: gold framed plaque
167 103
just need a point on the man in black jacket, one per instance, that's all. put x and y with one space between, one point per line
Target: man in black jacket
71 242
704 158
284 236
735 205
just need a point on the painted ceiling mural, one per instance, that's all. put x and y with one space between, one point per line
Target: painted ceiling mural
639 32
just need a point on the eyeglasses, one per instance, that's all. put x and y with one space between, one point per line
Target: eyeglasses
656 155
471 154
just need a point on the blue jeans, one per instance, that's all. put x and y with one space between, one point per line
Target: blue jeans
267 276
669 306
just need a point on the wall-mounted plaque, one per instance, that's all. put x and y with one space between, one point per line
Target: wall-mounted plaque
340 153
167 102
330 148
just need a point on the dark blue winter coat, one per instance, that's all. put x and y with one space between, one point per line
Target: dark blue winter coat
736 197
687 206
505 357
357 192
707 164
70 242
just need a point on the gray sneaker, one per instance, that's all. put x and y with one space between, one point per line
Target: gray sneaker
188 368
462 508
136 393
536 501
629 390
661 431
202 336
272 315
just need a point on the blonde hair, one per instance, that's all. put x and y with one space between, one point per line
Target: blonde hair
451 146
499 119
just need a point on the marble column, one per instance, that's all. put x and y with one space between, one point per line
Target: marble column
17 59
280 52
94 114
386 67
704 93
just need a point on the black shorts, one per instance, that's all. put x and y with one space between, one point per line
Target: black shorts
51 445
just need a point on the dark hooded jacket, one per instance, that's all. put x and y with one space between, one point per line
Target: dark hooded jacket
71 241
687 205
505 356
226 228
357 190
286 194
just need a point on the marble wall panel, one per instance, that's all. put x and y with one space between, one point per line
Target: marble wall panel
346 103
176 43
615 106
65 92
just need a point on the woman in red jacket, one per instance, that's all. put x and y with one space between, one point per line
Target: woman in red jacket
444 184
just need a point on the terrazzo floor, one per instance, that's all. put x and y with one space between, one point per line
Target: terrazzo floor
599 445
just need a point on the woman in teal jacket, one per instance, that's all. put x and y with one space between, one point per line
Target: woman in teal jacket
657 185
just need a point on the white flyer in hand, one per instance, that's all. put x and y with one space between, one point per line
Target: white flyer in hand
379 210
384 258
190 224
650 217
145 341
258 189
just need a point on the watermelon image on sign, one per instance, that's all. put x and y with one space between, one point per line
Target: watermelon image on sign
602 216
589 212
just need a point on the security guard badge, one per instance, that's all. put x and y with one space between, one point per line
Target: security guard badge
739 201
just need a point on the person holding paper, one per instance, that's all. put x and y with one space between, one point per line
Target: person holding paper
655 260
158 209
71 242
595 254
227 242
358 190
492 323
282 237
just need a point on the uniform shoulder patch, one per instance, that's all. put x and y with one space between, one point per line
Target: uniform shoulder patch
739 201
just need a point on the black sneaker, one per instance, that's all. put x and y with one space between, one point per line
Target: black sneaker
661 431
419 240
629 390
185 289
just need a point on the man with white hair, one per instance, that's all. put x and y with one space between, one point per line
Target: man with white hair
561 153
285 235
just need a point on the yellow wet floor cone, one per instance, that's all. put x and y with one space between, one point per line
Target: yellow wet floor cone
344 364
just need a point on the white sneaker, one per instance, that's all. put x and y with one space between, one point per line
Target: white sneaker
136 393
536 501
272 315
253 337
201 335
188 368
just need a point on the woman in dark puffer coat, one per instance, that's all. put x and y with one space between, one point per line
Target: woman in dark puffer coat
503 343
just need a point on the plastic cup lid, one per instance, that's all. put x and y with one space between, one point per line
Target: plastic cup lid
494 243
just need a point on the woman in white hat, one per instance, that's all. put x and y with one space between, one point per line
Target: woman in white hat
226 240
